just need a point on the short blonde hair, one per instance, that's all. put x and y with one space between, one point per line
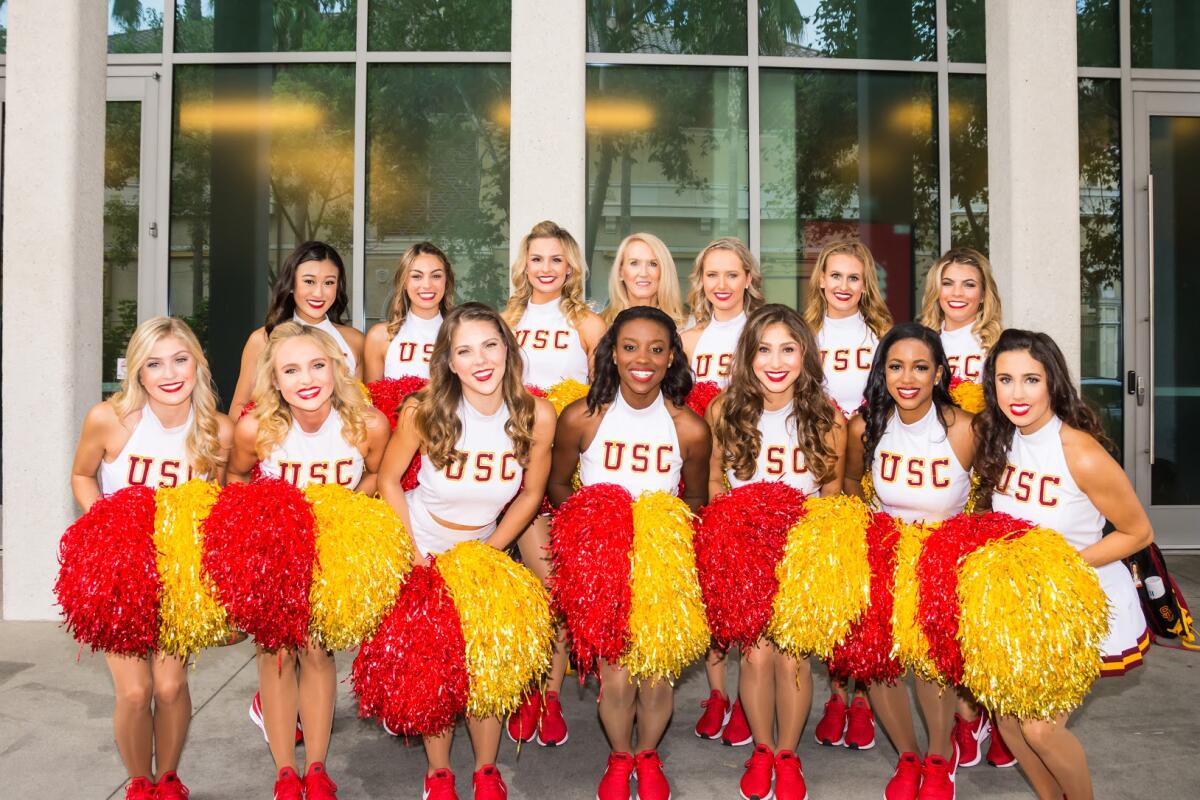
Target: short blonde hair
573 306
988 323
752 299
667 299
874 310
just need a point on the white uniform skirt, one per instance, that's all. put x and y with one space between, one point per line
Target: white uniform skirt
1128 636
431 536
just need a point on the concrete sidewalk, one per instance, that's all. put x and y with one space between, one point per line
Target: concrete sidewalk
1140 731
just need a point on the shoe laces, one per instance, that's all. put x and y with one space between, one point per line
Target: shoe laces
139 789
289 787
488 783
318 784
440 785
171 788
759 757
648 759
551 701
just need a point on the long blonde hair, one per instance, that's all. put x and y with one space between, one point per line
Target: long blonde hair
401 302
874 310
204 449
988 325
571 301
667 299
752 298
275 415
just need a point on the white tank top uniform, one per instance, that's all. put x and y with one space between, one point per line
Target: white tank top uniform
637 448
409 350
965 353
847 347
712 359
779 455
470 492
323 456
915 473
1037 486
332 330
154 457
550 346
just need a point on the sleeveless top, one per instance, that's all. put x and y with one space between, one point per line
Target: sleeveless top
474 491
409 350
322 456
637 448
332 330
713 356
847 347
916 475
550 346
965 353
779 456
154 456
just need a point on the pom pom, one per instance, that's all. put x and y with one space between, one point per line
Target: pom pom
259 549
565 392
866 654
363 554
411 673
909 644
739 542
1033 618
591 538
108 583
701 395
536 391
386 394
246 409
824 577
504 613
967 395
192 618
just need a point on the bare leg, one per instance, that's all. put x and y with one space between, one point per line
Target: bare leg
894 712
133 724
618 700
793 698
840 687
318 696
485 740
437 751
279 691
1063 755
534 545
172 711
655 702
756 687
937 706
965 706
714 669
1035 769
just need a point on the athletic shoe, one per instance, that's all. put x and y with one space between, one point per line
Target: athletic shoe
968 737
906 780
440 786
139 789
756 780
860 725
717 712
652 783
288 785
317 784
789 777
831 730
170 787
998 754
488 784
522 723
937 779
615 783
737 732
551 727
257 718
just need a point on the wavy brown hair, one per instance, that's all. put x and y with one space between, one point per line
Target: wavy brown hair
571 301
437 420
752 298
736 429
874 310
987 325
401 303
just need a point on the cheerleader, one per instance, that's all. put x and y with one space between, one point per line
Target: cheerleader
474 419
422 292
961 301
773 423
311 289
1043 456
643 274
161 429
846 312
918 448
637 398
557 333
310 424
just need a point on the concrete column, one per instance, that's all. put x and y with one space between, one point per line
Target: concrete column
1033 166
53 272
548 152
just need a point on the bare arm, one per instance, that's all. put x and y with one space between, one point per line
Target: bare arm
690 337
375 444
404 443
837 440
225 435
696 442
525 505
568 444
716 461
591 331
355 339
243 392
854 462
99 426
375 352
244 456
1101 478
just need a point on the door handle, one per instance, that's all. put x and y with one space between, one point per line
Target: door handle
1141 391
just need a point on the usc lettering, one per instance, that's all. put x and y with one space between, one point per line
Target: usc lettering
340 472
1030 487
972 366
409 352
914 472
705 366
157 473
843 357
482 466
642 457
543 340
778 461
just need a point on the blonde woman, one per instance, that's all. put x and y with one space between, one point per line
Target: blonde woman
422 292
962 302
310 424
161 429
643 274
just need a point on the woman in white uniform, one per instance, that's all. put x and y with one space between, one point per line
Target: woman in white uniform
962 301
422 292
643 274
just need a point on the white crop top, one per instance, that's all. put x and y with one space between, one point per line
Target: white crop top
409 351
847 347
712 359
779 456
473 491
965 353
634 448
322 456
550 346
916 474
332 330
154 456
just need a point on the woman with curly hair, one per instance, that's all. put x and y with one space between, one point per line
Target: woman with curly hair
962 302
422 293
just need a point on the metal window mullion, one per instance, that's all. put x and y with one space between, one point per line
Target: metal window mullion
943 128
668 59
358 234
965 68
436 57
162 196
853 64
1130 290
754 172
272 58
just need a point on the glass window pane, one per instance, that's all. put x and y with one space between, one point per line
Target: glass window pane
135 26
440 25
122 165
251 26
844 29
262 158
1164 33
1101 250
848 153
3 28
965 31
667 153
694 27
1098 38
437 169
968 162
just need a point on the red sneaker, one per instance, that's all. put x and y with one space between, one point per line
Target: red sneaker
440 786
715 717
257 718
139 789
998 754
860 725
789 777
756 780
906 780
968 736
317 784
170 787
551 727
615 783
652 783
488 784
831 730
737 732
937 779
522 723
288 785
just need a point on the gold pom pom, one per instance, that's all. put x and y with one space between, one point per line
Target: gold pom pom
968 396
565 392
909 644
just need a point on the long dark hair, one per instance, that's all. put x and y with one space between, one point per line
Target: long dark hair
605 380
995 431
880 404
283 304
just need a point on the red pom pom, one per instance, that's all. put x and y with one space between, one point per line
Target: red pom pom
591 538
108 583
701 395
865 655
411 673
259 549
387 394
246 409
739 541
536 391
